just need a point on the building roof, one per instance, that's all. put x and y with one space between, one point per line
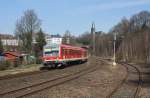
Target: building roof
57 36
53 36
7 36
17 54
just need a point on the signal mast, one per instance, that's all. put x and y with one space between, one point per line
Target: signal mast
114 62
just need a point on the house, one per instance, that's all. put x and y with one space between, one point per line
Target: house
10 43
2 57
12 56
53 39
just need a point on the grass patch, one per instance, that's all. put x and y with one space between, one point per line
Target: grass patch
29 65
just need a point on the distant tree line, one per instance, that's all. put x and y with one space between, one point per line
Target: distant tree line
134 38
132 43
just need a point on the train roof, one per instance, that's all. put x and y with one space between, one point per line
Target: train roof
66 46
72 47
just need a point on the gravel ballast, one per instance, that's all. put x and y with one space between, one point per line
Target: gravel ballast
98 84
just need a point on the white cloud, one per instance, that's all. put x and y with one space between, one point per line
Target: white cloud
110 6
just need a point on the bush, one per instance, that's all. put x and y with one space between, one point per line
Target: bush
38 61
5 65
15 63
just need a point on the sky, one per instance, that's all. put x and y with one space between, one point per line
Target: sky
74 15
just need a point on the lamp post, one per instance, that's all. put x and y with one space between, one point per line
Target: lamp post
114 58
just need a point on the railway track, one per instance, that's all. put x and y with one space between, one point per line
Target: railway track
22 74
38 87
138 88
35 88
123 84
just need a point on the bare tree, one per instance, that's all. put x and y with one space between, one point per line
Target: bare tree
84 39
133 38
134 46
68 38
28 24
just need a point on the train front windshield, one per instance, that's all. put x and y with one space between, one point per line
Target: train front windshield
52 53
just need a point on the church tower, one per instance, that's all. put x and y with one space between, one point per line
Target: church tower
93 38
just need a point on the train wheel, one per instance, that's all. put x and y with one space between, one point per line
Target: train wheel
59 65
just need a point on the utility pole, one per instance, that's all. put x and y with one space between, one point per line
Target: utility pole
114 62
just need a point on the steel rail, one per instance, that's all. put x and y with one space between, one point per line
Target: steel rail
138 87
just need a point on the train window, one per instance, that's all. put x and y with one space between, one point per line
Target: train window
68 52
76 52
63 51
52 53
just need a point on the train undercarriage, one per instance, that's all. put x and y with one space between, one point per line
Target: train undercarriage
62 64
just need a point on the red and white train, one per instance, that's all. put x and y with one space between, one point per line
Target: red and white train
60 55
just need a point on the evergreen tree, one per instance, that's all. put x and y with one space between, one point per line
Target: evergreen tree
38 46
1 45
40 39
